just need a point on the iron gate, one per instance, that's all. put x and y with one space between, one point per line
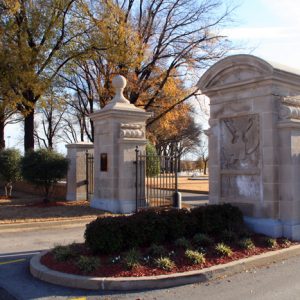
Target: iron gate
156 180
89 163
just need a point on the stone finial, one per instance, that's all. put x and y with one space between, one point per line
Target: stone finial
119 83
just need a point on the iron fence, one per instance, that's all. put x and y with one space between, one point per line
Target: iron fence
89 175
156 180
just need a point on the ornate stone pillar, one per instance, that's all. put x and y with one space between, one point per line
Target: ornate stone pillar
76 185
289 172
119 128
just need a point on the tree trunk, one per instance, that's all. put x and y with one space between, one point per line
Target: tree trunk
28 131
2 139
205 166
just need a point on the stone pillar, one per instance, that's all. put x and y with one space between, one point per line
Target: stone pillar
289 172
76 186
119 127
254 141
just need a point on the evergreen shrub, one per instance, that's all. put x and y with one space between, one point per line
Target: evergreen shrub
115 234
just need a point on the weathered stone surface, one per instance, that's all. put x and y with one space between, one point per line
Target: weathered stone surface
254 140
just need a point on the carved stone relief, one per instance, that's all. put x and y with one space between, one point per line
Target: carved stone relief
289 108
242 187
240 143
132 131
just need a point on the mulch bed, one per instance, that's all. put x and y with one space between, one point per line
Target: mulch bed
58 203
108 269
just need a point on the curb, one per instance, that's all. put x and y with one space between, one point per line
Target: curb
46 224
157 282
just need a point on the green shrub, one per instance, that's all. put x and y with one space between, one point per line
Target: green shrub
132 259
269 242
195 257
286 242
10 168
164 263
229 236
115 234
202 240
63 253
152 161
246 243
223 250
88 264
182 243
213 219
157 251
44 168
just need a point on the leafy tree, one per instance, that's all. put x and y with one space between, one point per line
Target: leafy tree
10 168
160 46
44 168
152 161
38 38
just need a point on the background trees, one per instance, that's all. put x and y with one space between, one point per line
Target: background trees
162 47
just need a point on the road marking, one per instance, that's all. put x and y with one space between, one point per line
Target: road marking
12 261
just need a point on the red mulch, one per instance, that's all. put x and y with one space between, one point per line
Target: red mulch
107 269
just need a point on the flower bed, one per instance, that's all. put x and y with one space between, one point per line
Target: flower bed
156 243
116 266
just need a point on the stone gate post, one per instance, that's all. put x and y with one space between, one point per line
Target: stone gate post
76 185
119 128
254 141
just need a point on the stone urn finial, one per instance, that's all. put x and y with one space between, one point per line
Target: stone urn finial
119 83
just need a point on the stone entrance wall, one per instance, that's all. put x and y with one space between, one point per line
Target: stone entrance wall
254 141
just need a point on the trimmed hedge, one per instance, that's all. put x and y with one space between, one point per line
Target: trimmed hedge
115 234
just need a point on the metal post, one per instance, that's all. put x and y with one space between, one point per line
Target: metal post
136 177
176 195
87 174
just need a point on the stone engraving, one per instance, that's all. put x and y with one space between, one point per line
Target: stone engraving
240 143
242 187
132 131
289 108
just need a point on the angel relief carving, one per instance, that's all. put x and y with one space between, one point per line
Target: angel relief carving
240 142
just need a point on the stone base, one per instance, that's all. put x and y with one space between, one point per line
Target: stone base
268 227
114 206
76 197
291 231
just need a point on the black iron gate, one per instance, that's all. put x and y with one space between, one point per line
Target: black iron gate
89 163
156 180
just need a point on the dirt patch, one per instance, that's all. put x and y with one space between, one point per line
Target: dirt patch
146 268
23 207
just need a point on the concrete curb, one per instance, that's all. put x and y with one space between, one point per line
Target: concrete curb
46 224
156 282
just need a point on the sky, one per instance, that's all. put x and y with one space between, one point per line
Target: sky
269 29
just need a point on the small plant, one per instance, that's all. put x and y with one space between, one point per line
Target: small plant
62 253
223 250
270 242
228 236
88 264
195 257
286 243
202 240
132 259
157 251
164 263
246 243
183 243
116 259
